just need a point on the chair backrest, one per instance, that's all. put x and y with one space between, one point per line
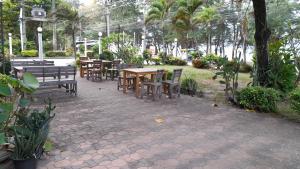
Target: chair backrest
115 63
176 75
97 64
83 58
47 73
158 76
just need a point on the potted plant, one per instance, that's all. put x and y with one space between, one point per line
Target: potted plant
21 128
30 134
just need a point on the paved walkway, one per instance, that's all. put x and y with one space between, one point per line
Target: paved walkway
105 129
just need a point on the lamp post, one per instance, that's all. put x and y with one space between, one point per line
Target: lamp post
100 49
176 46
40 40
10 44
143 44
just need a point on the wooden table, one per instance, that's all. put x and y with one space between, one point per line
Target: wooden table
87 62
138 72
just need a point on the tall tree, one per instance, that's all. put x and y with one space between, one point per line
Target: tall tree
262 35
185 19
159 11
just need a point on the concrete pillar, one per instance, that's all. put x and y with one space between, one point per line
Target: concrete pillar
100 48
40 40
85 47
10 44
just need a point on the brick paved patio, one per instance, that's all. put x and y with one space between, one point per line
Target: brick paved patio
105 129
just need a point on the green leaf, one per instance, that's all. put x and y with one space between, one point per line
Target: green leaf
3 117
6 107
4 90
24 102
30 81
2 138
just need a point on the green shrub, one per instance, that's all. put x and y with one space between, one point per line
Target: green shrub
157 61
212 58
69 52
295 99
29 53
258 98
195 54
55 54
282 74
189 86
147 55
137 60
200 64
175 61
30 45
107 55
126 52
245 68
81 48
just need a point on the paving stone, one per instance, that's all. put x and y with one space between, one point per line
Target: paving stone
106 129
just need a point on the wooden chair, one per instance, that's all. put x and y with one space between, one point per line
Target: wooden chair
113 72
83 67
130 79
174 83
155 85
95 72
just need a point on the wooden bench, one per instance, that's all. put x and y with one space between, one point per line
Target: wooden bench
61 76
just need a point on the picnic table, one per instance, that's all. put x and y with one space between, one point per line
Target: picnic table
85 63
138 72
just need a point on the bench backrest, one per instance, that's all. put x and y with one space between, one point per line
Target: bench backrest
33 63
52 73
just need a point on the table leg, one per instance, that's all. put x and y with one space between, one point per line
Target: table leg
81 71
137 87
124 82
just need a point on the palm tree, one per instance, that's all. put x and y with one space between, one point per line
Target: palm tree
159 11
184 20
206 16
71 21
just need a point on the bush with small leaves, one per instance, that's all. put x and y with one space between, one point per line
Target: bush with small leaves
200 63
259 98
29 53
189 86
55 54
295 99
156 61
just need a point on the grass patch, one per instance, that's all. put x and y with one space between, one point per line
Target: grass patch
204 76
286 111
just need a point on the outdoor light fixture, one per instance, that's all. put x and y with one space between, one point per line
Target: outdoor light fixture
100 34
38 12
175 40
39 29
143 37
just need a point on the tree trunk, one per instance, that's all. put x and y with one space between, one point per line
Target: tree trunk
262 35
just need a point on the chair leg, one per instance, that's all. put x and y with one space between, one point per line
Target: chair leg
142 91
154 92
170 91
160 92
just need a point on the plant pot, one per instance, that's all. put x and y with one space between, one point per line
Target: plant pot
25 164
